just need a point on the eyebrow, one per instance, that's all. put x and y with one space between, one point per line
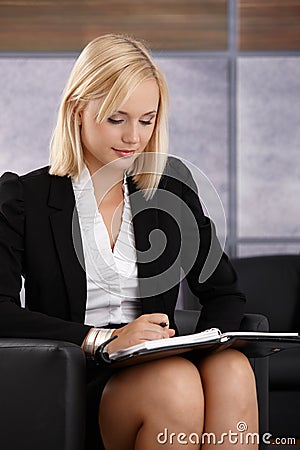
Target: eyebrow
145 114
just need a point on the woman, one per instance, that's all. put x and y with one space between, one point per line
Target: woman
100 238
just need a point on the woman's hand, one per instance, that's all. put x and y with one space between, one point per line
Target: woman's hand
145 328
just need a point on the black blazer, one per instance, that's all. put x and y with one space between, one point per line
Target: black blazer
38 228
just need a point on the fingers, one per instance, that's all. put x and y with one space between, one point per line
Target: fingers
171 332
161 322
147 327
158 319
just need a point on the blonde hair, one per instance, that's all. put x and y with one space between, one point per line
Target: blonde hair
110 66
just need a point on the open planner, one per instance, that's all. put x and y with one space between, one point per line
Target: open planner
253 344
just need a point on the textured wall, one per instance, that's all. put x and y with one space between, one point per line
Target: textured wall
31 89
268 125
269 148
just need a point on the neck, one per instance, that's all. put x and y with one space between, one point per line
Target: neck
107 182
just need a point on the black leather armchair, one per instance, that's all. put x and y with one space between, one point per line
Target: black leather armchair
42 395
272 287
42 390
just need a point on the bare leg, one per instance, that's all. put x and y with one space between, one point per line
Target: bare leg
140 402
230 400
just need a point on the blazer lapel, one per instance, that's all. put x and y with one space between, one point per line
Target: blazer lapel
67 237
145 221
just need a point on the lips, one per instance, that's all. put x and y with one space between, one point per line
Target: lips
124 152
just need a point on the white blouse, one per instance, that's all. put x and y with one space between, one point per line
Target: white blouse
112 282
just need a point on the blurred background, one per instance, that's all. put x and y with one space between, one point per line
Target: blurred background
233 69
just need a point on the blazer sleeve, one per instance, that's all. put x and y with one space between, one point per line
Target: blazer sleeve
210 275
16 321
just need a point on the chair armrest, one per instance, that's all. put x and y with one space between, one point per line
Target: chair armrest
186 321
258 322
42 391
254 322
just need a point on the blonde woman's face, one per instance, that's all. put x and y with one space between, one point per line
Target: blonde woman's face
124 135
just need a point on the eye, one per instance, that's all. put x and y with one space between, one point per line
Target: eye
146 122
115 121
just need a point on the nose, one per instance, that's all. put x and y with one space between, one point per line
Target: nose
131 134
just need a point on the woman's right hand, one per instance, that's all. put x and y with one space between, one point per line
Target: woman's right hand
145 328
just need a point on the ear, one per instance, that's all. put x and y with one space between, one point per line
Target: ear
79 115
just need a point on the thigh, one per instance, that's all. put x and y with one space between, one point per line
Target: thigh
229 362
227 377
165 376
165 392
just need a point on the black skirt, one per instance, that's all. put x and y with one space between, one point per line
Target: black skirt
96 379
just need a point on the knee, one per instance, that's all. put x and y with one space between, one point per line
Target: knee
229 363
230 369
177 378
171 385
168 379
179 391
238 368
177 371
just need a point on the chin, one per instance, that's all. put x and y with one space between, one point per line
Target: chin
123 163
